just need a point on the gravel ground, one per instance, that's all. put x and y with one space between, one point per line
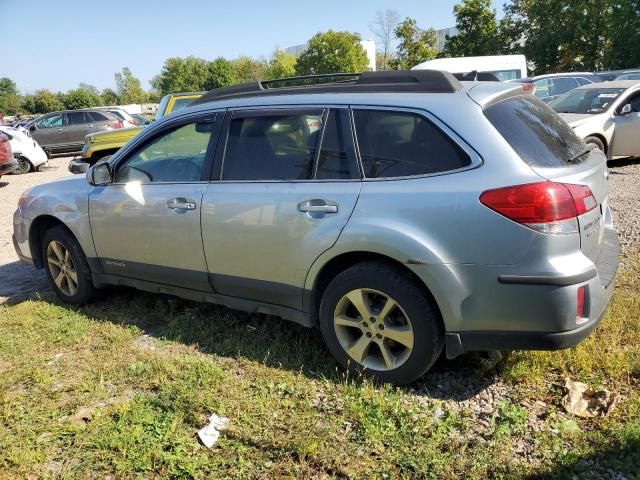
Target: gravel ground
16 278
624 183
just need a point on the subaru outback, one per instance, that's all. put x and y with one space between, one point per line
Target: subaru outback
403 213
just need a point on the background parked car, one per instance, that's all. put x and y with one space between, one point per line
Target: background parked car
100 145
551 86
26 150
7 162
606 115
141 120
126 118
64 132
630 76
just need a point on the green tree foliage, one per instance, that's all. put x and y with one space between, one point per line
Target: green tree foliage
220 74
84 96
109 97
575 34
181 75
43 101
10 100
129 88
415 45
247 69
333 52
281 65
478 30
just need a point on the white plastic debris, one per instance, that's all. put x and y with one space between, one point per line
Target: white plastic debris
582 401
209 434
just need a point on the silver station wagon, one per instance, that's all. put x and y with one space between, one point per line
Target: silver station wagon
404 213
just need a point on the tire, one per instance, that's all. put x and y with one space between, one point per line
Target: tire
24 166
56 243
595 141
414 323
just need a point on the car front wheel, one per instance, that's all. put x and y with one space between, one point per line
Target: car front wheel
377 320
66 266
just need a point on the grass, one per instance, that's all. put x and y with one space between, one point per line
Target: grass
121 387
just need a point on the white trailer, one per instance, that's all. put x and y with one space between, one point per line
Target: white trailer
505 67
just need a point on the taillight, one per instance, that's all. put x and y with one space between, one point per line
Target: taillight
132 122
528 87
548 207
117 124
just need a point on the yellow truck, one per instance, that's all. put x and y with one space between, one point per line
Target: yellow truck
99 145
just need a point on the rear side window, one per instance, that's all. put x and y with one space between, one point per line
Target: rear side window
536 133
400 144
118 115
563 85
272 147
75 118
337 158
97 116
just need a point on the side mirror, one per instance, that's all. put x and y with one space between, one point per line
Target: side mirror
32 128
626 110
99 174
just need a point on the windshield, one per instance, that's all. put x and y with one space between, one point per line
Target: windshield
586 100
629 76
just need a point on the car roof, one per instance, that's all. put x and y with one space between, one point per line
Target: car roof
613 84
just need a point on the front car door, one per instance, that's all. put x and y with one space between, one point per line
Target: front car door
48 131
289 181
146 223
626 135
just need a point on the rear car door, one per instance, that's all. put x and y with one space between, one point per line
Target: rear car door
99 121
146 224
288 182
76 128
626 135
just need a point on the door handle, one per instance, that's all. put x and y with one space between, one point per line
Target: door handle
59 129
318 206
181 204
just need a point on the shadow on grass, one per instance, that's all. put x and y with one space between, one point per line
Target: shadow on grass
271 341
613 462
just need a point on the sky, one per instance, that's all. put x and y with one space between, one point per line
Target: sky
57 44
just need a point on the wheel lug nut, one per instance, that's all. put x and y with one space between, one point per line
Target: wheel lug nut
372 320
369 334
365 324
378 335
381 327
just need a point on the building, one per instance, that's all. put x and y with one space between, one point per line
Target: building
368 45
441 36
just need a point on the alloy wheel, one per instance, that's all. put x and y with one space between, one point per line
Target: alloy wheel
373 329
62 269
23 166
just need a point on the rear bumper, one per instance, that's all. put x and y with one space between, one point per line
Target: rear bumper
8 167
605 270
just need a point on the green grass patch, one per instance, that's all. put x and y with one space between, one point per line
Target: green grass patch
122 386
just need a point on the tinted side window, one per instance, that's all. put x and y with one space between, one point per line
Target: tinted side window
174 156
337 158
399 144
50 121
536 133
272 147
75 118
563 85
97 116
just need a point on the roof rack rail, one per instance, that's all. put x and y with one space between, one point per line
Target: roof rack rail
397 81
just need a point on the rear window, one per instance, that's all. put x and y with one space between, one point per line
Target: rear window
98 117
536 133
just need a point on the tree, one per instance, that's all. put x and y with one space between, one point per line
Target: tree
247 69
10 100
44 101
281 65
416 45
85 96
220 73
382 26
333 52
623 48
129 88
181 75
109 97
478 30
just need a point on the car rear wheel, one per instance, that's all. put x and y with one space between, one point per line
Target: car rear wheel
24 166
66 266
376 320
595 141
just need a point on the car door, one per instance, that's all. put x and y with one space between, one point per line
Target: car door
146 223
48 131
99 121
289 181
626 134
75 129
